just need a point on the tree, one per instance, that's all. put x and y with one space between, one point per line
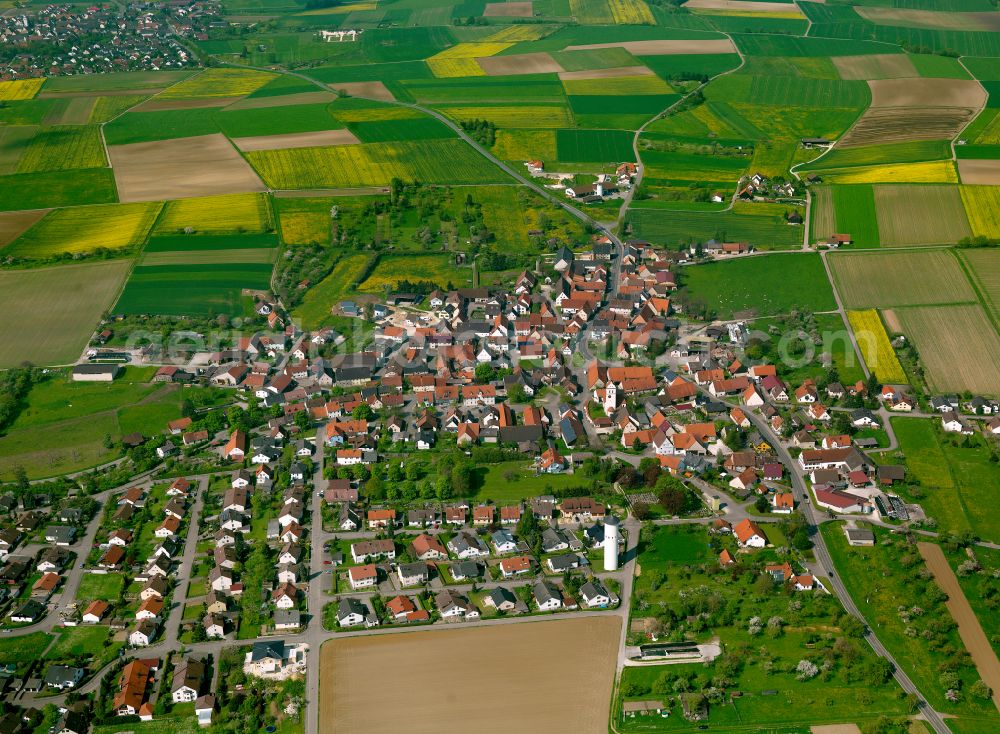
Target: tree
761 504
461 479
362 412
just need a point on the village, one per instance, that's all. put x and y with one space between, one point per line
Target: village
489 467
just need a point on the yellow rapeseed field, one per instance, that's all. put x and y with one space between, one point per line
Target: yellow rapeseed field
875 346
21 89
513 116
982 207
933 172
526 145
219 83
226 213
517 33
459 60
631 12
450 68
87 228
343 9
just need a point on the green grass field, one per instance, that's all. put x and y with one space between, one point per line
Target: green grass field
886 577
957 482
854 205
57 188
207 289
513 481
104 586
765 230
373 164
44 330
768 285
318 302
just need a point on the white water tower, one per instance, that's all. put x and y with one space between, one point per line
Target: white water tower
611 543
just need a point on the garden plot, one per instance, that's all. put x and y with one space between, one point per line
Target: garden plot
181 168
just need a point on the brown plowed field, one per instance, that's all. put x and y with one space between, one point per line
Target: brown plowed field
509 10
969 629
876 66
317 139
899 124
545 676
985 172
14 224
536 63
927 93
181 168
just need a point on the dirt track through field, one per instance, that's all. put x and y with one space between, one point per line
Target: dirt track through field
549 676
969 628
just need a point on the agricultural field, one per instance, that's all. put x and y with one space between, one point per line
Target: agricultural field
305 221
983 266
62 148
192 275
935 172
217 214
351 689
86 229
875 347
219 82
373 164
958 346
890 279
854 211
761 225
607 146
768 285
920 215
183 168
20 90
44 330
438 269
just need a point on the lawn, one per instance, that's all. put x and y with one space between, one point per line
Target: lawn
77 642
766 284
21 651
103 586
513 481
44 330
